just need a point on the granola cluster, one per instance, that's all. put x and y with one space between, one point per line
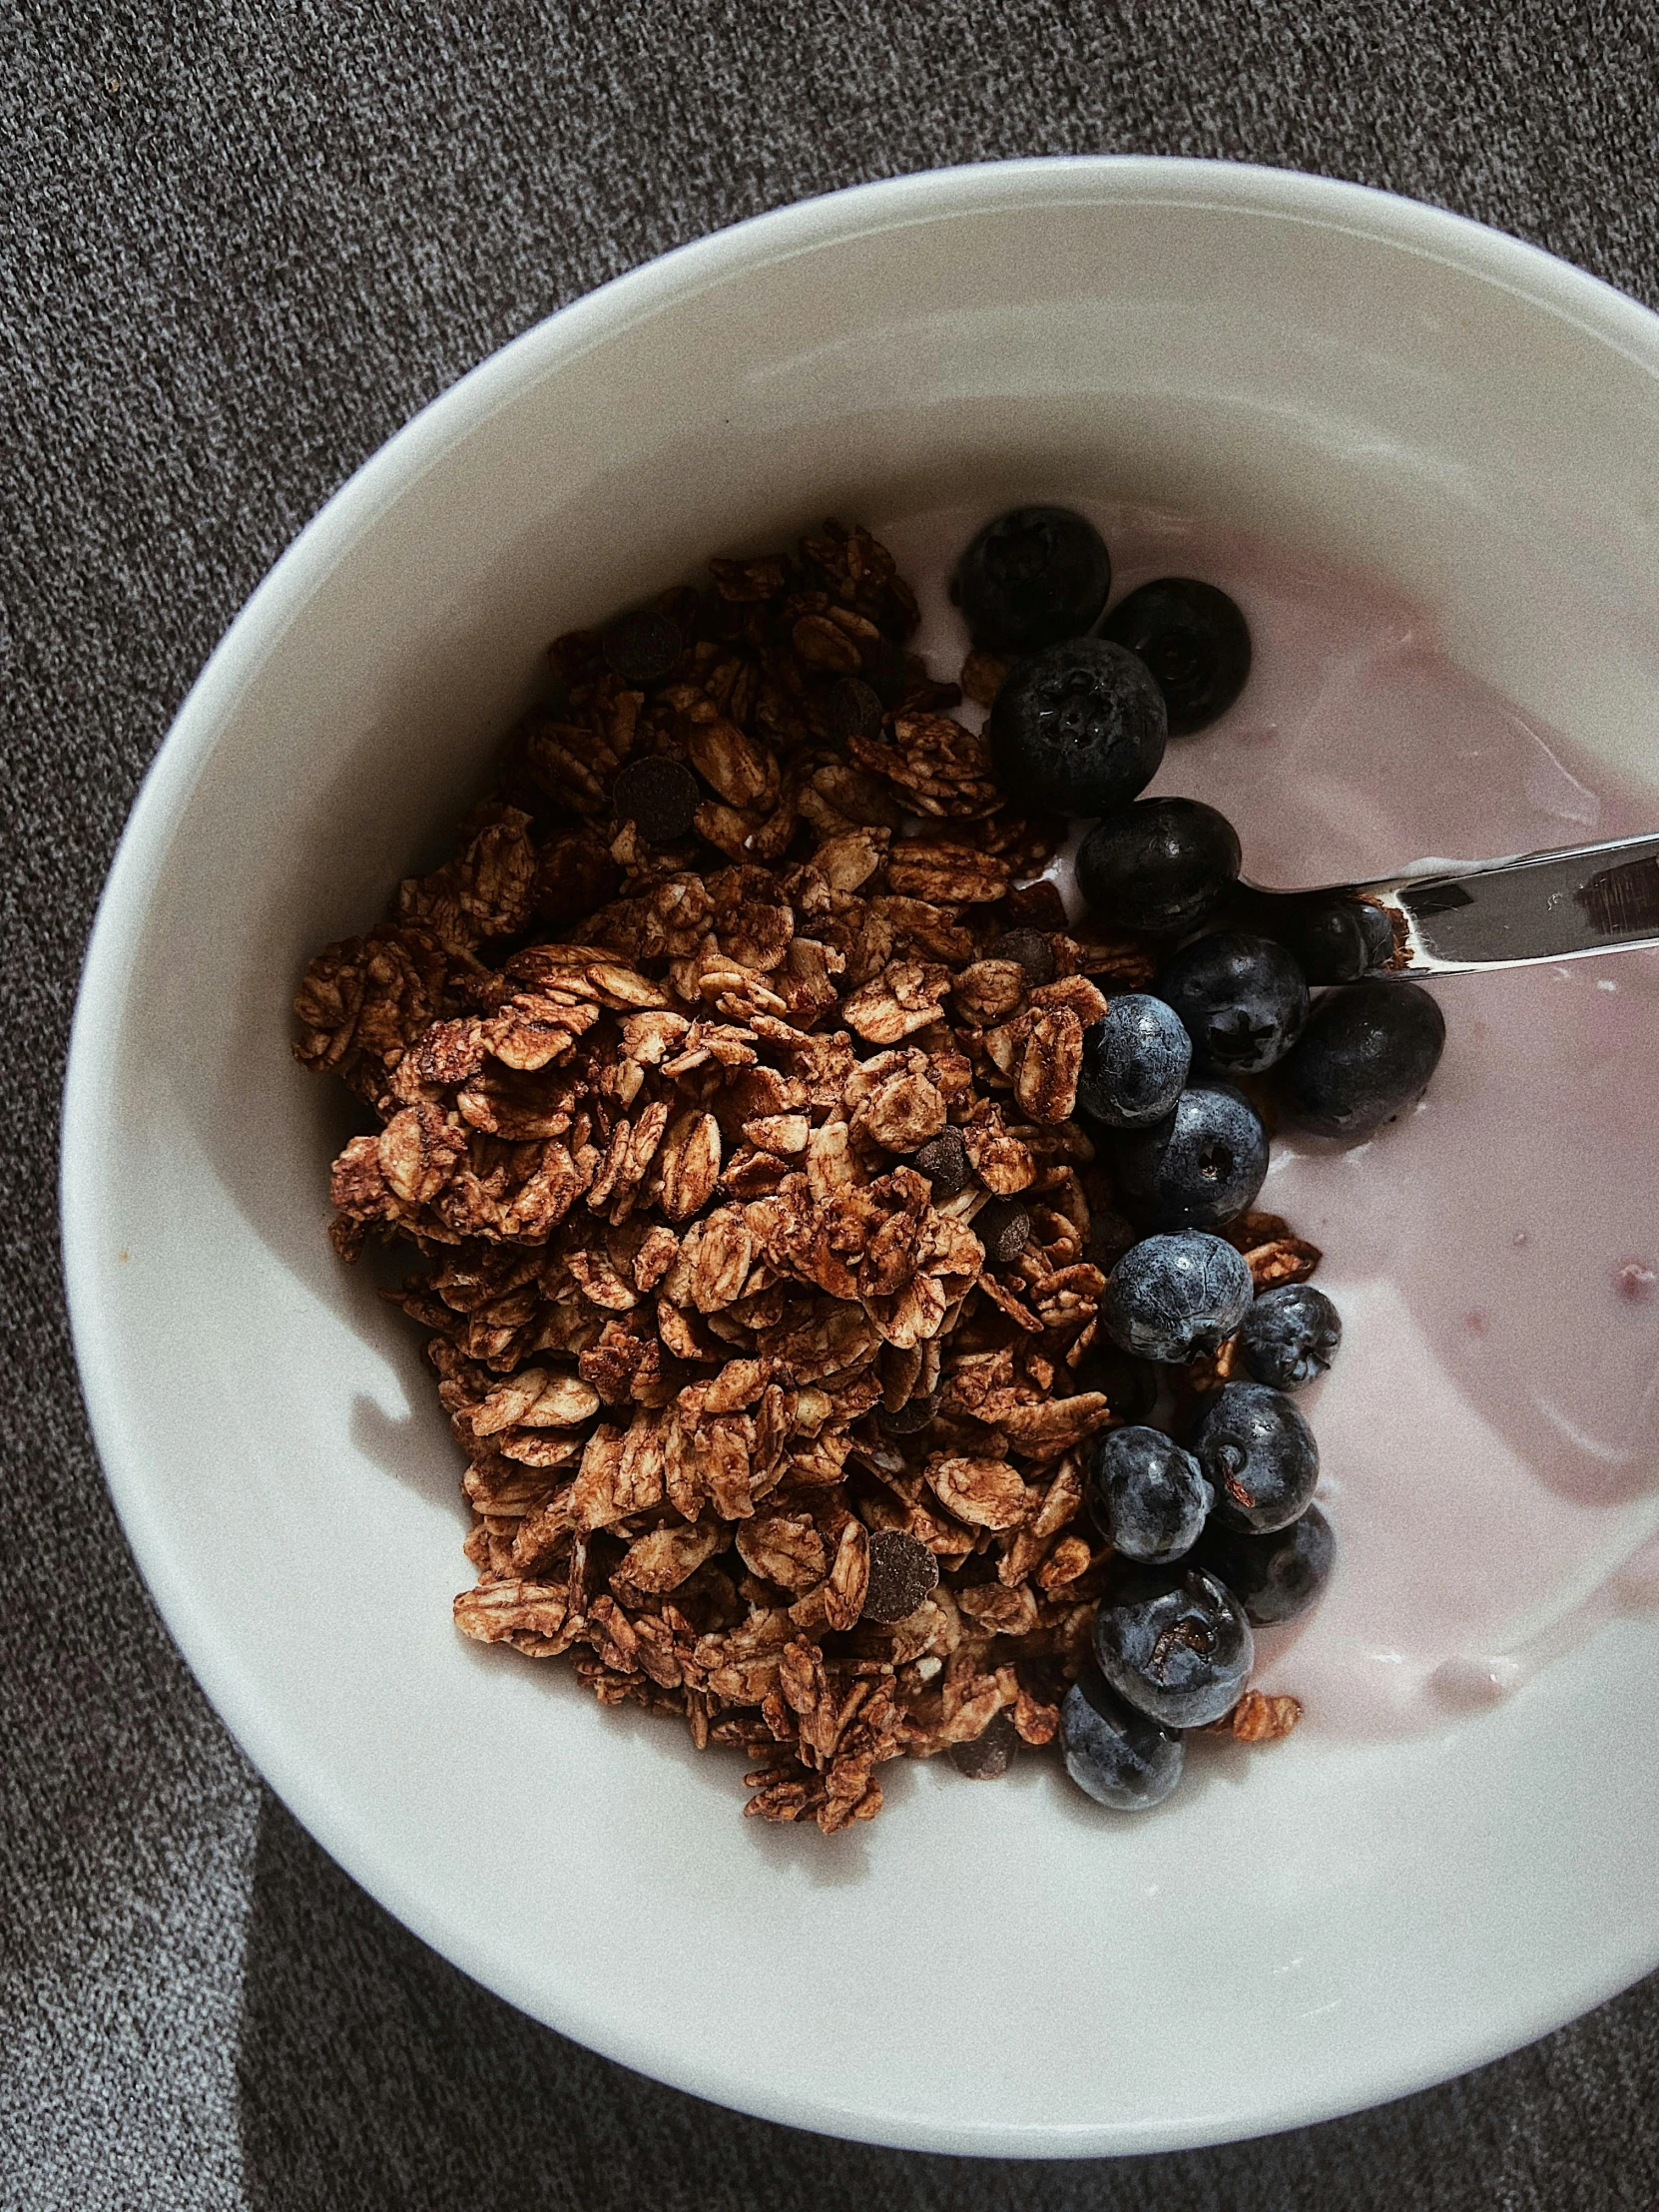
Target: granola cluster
761 1250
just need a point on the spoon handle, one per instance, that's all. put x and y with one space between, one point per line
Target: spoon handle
1534 906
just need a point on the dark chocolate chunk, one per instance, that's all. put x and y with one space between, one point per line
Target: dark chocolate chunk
659 796
1028 949
1035 905
886 671
643 648
913 1414
852 710
1004 1228
902 1571
943 1160
991 1755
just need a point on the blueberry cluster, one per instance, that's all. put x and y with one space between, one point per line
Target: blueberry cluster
1212 1530
1213 1535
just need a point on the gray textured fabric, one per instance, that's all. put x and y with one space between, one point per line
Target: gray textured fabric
240 244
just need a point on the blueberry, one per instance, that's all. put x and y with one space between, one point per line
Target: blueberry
1243 1001
1175 1642
1369 1050
1290 1336
1135 1063
1031 578
1272 1577
1147 1494
1118 1756
1078 729
1169 1297
1193 638
1335 936
1161 864
1339 939
1259 1453
1202 1164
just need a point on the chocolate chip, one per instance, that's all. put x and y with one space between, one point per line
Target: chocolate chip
1035 905
1004 1228
943 1160
643 648
913 1414
991 1755
1028 949
852 710
902 1571
659 796
886 671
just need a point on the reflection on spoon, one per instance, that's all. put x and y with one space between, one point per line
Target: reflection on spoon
1558 905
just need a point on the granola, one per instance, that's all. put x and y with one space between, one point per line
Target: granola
759 1254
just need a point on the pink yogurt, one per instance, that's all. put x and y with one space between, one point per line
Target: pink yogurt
1490 1433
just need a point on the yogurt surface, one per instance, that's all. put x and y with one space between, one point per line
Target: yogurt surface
1489 1432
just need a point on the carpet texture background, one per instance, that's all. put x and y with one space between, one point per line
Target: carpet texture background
238 245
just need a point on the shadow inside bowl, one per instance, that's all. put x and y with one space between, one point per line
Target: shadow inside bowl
412 1445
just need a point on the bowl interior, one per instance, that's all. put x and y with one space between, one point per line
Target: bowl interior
1400 393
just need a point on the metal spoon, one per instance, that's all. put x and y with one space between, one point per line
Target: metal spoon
1534 906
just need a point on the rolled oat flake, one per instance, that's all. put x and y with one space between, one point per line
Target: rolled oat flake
902 1571
643 648
660 797
992 1754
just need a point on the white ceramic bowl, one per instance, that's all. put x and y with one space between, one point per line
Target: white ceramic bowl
983 1970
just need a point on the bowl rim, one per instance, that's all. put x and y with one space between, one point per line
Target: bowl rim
303 570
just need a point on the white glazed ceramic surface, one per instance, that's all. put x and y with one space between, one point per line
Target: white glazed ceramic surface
984 1969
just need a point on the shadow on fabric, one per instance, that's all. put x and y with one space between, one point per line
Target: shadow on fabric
372 2074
